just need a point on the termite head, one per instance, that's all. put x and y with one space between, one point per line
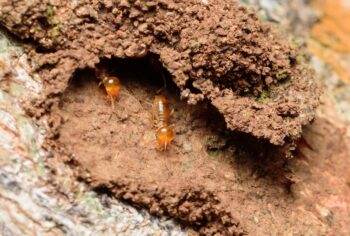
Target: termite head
112 85
165 135
160 98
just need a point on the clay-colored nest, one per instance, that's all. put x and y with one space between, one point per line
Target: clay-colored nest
217 47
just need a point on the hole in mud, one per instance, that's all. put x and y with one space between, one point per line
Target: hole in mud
141 80
189 85
118 144
127 130
44 23
43 50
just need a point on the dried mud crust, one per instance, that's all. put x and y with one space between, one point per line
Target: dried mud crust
214 50
193 207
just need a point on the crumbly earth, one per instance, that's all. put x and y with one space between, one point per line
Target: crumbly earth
214 50
240 74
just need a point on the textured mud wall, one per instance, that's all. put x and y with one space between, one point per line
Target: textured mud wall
324 212
253 78
216 51
32 200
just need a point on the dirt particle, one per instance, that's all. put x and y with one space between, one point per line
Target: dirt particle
325 213
187 147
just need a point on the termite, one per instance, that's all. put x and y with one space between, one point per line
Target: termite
160 117
112 86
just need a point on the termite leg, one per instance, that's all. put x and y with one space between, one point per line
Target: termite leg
149 103
152 119
166 147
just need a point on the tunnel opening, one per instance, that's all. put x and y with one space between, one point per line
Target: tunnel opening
116 146
141 80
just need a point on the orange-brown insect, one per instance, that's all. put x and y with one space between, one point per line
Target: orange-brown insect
160 116
112 86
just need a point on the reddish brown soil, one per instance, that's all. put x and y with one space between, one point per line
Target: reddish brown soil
217 51
209 179
240 75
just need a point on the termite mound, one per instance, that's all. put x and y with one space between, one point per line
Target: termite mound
252 76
